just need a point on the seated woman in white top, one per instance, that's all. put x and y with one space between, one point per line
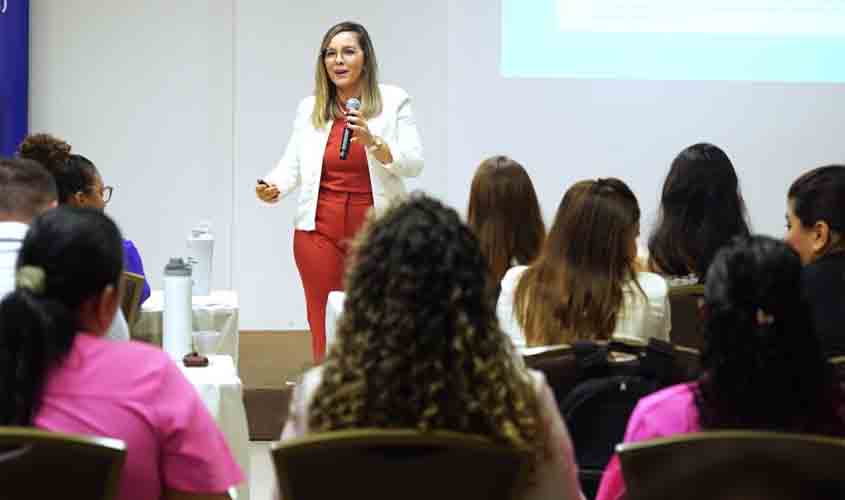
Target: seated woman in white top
584 285
418 347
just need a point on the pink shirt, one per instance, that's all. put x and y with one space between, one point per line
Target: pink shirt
664 413
134 392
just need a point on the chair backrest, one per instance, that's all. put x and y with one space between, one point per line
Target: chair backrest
598 384
559 363
734 464
687 328
389 464
133 287
41 464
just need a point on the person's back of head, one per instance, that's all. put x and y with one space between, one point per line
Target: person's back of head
68 272
701 209
418 345
46 149
763 368
26 190
816 212
74 174
575 289
504 214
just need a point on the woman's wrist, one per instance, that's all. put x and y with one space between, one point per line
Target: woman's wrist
376 145
380 150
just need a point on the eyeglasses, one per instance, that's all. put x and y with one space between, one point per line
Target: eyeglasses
106 193
346 53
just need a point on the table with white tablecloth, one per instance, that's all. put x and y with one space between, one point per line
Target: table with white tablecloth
221 390
218 312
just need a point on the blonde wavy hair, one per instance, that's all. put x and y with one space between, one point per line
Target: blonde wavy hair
325 92
419 345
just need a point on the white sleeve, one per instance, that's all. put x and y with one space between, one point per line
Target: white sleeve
405 147
659 321
505 308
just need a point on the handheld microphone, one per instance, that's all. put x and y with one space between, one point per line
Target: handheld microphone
347 132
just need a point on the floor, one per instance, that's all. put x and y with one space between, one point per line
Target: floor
262 478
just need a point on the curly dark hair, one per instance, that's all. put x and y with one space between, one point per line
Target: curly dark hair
763 364
418 344
73 173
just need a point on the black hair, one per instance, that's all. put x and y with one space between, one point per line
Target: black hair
80 252
26 188
763 364
819 195
701 209
76 175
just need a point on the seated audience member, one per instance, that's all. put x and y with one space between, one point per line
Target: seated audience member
815 222
762 366
419 330
59 374
26 190
79 184
701 209
504 214
584 285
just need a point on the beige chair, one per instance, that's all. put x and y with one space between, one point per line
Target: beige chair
734 465
687 330
133 287
37 464
392 464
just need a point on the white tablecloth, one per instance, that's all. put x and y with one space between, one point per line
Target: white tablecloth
222 392
334 308
218 312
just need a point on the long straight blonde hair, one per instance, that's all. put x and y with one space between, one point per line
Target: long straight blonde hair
325 92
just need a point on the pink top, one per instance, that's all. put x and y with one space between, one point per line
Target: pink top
664 413
556 477
134 392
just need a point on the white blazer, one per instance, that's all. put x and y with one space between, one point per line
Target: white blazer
638 318
302 162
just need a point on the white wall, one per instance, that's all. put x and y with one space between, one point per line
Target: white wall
568 130
144 89
184 104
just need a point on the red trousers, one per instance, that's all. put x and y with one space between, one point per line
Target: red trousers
320 255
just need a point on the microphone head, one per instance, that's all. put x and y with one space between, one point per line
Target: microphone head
353 103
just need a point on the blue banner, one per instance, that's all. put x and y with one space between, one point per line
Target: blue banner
14 73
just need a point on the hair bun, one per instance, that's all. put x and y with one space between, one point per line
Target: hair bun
46 149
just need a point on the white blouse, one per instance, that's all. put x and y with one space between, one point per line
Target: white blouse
639 318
